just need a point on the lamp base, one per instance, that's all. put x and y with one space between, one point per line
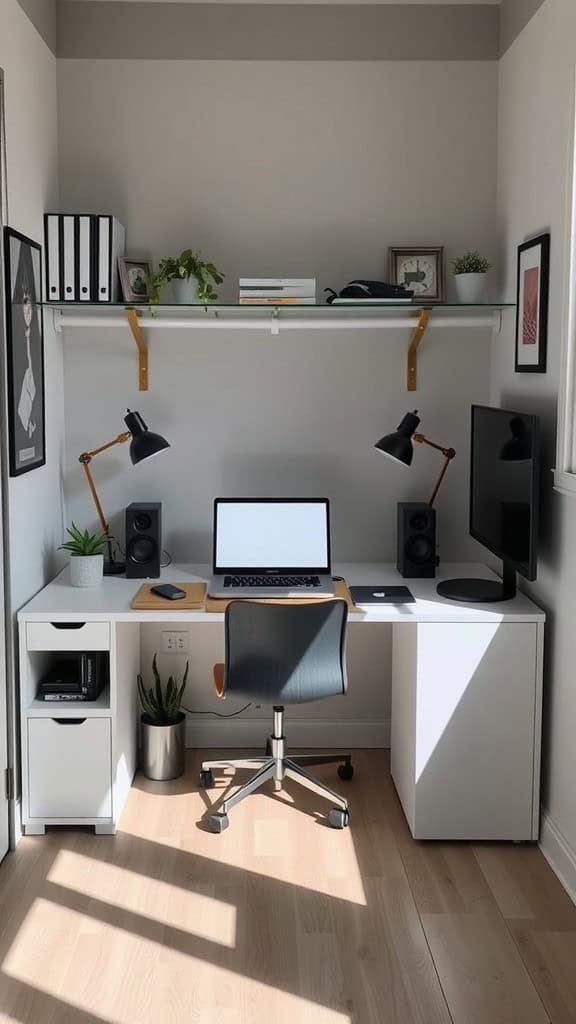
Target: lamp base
114 568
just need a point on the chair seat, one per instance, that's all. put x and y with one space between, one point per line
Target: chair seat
219 679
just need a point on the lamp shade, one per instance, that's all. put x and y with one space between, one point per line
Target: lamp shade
144 442
398 445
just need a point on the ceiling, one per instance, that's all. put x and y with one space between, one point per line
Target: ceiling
398 2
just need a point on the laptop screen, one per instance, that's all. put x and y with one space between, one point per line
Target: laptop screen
280 534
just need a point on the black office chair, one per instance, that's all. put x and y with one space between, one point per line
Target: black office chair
282 654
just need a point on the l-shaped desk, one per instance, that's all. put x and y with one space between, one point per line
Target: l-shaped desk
466 704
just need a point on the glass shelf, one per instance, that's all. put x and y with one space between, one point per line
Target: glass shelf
258 309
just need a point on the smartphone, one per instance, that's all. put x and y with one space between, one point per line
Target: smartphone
170 592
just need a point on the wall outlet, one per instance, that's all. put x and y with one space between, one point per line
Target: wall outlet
174 643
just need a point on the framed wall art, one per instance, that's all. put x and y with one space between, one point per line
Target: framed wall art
532 305
419 269
134 277
25 353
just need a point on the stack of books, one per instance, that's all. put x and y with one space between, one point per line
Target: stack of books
278 291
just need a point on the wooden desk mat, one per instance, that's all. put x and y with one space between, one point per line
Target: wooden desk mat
145 600
218 604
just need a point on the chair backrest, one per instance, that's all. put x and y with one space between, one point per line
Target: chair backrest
285 654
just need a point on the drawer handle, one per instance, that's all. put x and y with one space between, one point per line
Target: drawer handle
67 625
69 721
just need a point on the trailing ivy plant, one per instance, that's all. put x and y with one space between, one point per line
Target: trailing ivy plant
188 264
471 263
84 543
161 703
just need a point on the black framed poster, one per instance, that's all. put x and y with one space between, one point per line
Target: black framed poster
532 305
25 351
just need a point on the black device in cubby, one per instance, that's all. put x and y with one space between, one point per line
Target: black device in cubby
75 676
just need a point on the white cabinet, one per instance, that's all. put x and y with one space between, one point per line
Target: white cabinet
69 768
78 758
466 728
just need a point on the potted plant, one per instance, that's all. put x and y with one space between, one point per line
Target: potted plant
192 278
470 276
163 727
87 562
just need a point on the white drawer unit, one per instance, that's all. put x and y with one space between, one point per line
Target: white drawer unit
69 768
68 636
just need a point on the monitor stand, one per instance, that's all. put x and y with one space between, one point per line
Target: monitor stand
478 591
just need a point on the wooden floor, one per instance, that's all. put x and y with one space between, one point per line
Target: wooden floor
281 920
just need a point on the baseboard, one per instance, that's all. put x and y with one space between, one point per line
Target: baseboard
252 732
559 853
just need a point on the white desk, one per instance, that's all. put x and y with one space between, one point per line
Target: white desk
466 704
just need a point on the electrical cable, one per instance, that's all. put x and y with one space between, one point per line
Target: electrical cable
164 565
217 713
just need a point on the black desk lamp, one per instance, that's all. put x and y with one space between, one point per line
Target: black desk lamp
143 444
398 446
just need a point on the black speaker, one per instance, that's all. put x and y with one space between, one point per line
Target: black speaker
416 540
143 540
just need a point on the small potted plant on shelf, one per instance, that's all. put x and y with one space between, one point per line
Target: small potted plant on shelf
87 561
470 276
162 747
192 278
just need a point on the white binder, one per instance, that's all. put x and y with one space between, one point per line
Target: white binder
111 242
84 237
69 257
52 245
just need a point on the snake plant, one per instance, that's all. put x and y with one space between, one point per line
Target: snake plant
161 704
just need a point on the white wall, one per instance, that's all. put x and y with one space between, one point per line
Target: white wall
537 77
35 502
280 168
296 169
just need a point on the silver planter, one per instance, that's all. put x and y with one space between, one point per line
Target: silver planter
162 749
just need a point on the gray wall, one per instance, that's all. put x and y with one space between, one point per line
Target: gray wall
536 137
280 168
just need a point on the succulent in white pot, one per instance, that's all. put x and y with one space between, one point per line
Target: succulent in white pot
470 276
87 561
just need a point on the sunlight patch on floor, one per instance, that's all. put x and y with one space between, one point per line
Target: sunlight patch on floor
269 836
122 977
195 909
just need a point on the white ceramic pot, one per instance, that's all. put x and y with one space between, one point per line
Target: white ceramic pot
186 290
470 287
86 570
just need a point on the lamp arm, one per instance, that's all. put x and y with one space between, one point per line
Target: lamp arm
85 459
120 439
448 454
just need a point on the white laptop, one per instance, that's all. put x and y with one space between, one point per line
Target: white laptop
271 547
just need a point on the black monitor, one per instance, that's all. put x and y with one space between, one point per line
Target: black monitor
504 496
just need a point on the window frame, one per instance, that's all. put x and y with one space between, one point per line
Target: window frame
565 469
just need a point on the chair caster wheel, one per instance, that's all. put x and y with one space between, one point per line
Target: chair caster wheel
218 822
206 779
338 818
346 771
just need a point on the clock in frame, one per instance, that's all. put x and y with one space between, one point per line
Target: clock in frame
420 269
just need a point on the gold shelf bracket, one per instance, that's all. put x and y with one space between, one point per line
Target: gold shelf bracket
417 335
133 317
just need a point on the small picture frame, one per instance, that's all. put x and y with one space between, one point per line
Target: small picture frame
532 305
25 353
420 269
134 277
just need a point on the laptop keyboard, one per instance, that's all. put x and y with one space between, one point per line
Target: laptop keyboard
305 582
